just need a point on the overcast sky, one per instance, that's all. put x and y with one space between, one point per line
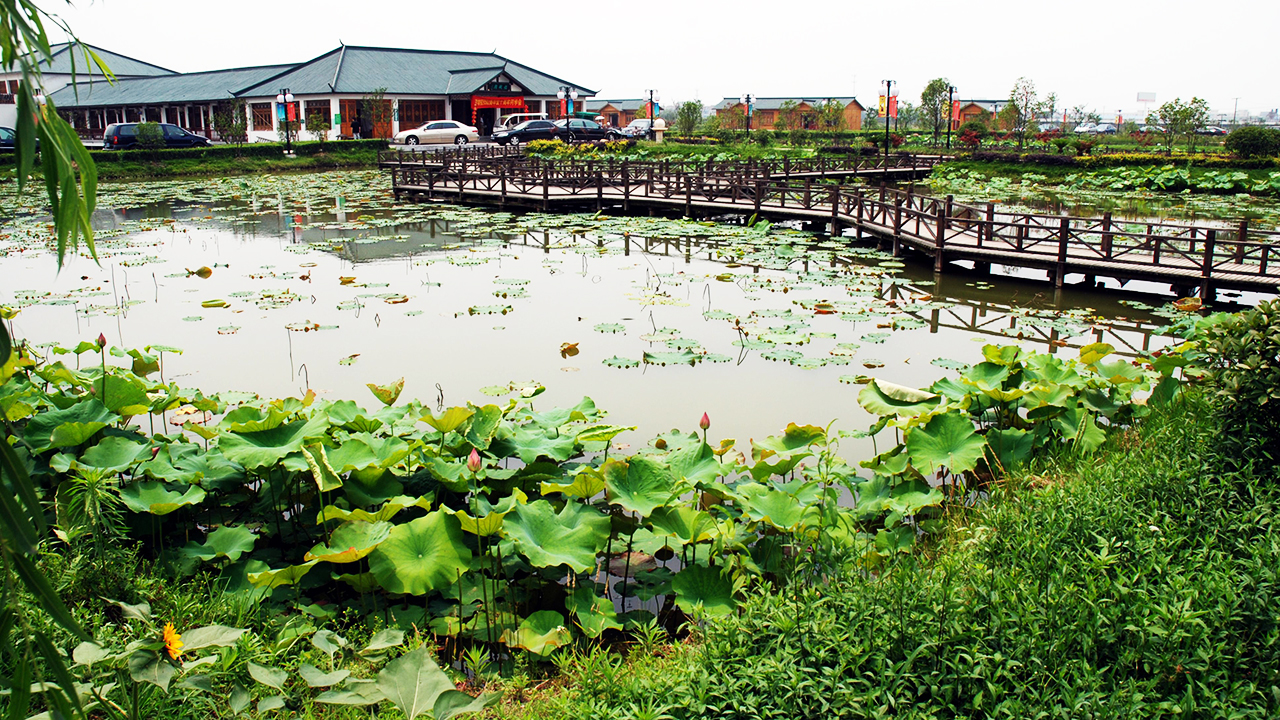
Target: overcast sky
1097 54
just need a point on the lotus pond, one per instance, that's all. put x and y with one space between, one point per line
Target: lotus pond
277 285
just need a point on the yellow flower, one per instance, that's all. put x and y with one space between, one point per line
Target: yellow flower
172 641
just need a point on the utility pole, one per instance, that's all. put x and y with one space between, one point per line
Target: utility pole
950 114
1234 111
888 95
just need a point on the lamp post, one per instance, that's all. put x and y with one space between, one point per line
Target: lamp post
567 95
284 101
654 99
747 99
888 100
951 89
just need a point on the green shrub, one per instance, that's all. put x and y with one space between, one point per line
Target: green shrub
1253 141
977 127
150 136
1244 371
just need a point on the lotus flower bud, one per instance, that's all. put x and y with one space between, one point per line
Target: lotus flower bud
102 341
473 461
705 422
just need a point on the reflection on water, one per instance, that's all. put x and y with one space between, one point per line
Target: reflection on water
756 330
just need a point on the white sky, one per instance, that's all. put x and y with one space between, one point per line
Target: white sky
1097 54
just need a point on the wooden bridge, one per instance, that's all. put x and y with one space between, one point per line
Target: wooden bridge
1208 256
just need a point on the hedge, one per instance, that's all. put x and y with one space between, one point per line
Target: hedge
1121 159
247 150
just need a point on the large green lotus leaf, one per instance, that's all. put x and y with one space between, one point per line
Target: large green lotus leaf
449 420
229 542
371 486
387 511
78 422
779 509
1078 425
188 463
452 475
113 454
321 471
290 575
251 418
639 484
360 582
354 454
263 448
155 498
1120 372
897 540
125 397
985 376
352 541
602 433
1052 369
422 555
948 440
413 682
490 520
533 442
483 426
779 455
1011 447
595 614
683 523
540 633
388 394
886 398
1092 353
698 463
912 496
549 539
1003 354
586 484
703 588
1048 394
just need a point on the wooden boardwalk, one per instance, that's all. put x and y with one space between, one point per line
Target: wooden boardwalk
1185 255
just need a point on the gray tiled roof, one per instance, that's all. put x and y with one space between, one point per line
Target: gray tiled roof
357 69
177 88
773 103
64 54
623 105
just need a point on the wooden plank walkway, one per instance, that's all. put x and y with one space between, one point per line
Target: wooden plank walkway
1185 255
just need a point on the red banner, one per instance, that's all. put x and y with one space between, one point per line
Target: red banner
291 112
490 101
893 106
955 111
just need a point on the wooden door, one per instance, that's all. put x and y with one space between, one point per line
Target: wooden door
348 108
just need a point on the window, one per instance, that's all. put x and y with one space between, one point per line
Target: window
6 134
173 131
261 116
317 107
415 113
442 125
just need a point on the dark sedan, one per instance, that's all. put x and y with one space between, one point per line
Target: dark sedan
124 136
528 131
588 130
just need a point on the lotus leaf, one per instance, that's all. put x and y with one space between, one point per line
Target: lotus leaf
586 484
490 520
1120 372
1010 446
595 614
388 394
602 433
483 426
685 524
540 633
787 450
704 589
698 464
886 398
388 510
681 357
352 541
271 579
450 420
264 448
1091 354
532 442
897 540
371 486
778 509
550 539
113 454
249 418
69 426
155 498
422 555
947 440
321 471
230 542
638 484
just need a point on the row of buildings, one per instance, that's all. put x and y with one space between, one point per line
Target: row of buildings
413 87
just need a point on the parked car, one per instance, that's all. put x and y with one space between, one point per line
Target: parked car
511 121
1211 130
1105 129
1086 128
438 131
9 140
586 130
637 128
527 131
1151 129
124 136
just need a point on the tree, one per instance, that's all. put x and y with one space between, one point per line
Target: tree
150 136
733 118
1022 109
908 116
231 122
688 115
830 115
377 110
935 107
788 116
318 125
1180 119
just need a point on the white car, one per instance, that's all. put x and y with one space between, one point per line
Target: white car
1086 128
438 131
510 121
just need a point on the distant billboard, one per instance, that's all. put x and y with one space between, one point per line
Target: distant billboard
1146 97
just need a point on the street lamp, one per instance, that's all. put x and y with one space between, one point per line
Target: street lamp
286 114
654 99
888 100
748 100
571 94
951 89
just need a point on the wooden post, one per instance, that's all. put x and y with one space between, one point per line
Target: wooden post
626 187
1153 242
808 183
599 191
859 199
1242 237
990 224
835 210
1060 273
1206 268
688 195
546 187
786 166
502 177
759 194
648 188
1106 235
940 239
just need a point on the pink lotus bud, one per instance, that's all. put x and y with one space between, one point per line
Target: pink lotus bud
102 341
473 461
705 422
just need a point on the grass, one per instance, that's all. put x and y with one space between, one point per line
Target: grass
362 158
1140 583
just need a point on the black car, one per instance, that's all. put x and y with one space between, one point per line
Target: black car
528 131
9 140
124 136
587 130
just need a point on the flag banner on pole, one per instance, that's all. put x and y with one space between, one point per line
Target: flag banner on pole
893 106
955 110
882 106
